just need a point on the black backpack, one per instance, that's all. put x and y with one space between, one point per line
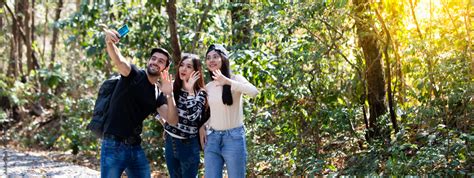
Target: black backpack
101 107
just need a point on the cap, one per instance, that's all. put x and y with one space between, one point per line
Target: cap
220 49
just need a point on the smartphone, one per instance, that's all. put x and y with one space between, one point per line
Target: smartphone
123 31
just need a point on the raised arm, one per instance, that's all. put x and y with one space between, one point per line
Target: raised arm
244 86
239 83
168 111
111 38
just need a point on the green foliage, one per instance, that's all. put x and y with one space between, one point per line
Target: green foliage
153 135
17 92
53 78
437 152
3 117
77 115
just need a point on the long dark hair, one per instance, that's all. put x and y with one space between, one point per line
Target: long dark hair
225 69
197 66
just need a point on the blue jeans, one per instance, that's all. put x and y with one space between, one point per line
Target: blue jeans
229 147
117 157
182 156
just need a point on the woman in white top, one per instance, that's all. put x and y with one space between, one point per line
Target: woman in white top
224 142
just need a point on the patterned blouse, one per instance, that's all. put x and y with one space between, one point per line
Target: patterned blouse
190 110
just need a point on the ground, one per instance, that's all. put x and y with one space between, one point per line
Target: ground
16 163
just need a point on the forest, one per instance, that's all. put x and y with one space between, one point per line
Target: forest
347 87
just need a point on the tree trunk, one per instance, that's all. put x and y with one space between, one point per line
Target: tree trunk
388 72
26 11
401 79
34 65
19 38
12 70
43 86
46 21
175 45
33 29
78 5
13 63
364 113
241 23
412 10
19 42
374 74
30 36
55 32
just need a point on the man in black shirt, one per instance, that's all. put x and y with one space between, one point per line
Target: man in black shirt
135 97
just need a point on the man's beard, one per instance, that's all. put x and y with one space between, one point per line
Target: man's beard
151 72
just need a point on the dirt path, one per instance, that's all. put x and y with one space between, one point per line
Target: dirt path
33 164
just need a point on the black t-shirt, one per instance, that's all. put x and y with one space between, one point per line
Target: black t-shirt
133 100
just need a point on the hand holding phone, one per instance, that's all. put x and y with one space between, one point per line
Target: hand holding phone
123 31
111 36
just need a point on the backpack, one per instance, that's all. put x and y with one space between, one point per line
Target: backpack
101 107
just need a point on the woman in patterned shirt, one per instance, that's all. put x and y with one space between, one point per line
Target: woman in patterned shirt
182 139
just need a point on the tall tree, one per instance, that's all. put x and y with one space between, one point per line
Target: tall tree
374 73
241 22
400 85
25 11
19 9
16 65
45 28
388 72
175 45
30 28
412 10
13 61
55 32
